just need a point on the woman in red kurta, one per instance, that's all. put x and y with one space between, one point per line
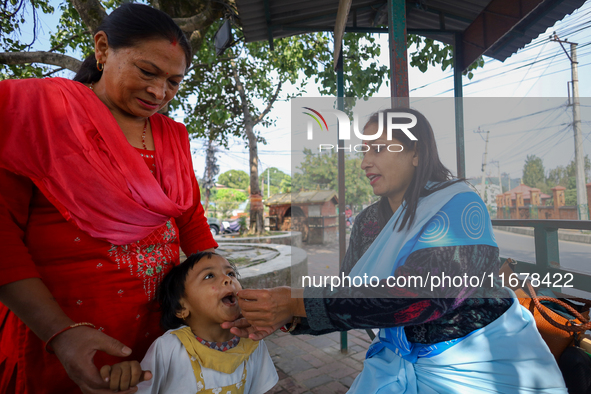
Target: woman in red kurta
97 192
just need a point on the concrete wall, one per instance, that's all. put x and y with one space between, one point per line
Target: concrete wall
293 238
562 235
284 270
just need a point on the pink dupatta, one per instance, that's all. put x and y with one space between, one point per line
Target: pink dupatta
60 135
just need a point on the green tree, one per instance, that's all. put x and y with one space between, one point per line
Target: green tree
571 170
285 186
275 178
229 199
557 177
570 197
231 195
235 179
429 52
533 172
320 171
565 176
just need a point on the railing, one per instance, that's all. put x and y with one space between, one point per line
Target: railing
546 249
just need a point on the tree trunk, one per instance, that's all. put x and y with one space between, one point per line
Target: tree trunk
256 199
257 225
91 12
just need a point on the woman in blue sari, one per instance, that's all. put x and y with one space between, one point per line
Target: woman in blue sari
460 336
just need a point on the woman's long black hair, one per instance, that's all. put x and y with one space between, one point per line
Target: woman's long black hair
128 25
430 167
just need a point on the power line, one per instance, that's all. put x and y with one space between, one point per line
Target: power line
574 26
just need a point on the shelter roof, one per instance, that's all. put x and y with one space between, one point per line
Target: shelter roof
496 28
311 197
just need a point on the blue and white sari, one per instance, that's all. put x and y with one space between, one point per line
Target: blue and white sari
506 356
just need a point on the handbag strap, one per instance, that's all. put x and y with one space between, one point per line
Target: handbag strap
573 327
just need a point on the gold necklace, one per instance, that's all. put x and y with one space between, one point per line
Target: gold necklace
144 134
145 123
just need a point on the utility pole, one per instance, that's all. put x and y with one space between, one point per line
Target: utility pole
579 154
482 194
268 183
499 168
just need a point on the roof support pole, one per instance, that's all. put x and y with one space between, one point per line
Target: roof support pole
459 105
398 59
269 23
341 176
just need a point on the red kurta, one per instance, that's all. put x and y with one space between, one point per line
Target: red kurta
111 286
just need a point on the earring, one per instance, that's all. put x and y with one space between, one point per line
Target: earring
100 66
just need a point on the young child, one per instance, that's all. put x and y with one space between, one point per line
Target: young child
196 355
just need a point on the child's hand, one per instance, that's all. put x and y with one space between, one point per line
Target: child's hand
125 375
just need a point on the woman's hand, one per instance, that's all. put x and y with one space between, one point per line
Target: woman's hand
242 328
32 302
267 310
76 348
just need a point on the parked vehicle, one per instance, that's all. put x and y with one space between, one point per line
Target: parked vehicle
231 227
215 226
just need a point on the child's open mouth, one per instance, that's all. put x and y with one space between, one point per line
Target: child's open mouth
229 300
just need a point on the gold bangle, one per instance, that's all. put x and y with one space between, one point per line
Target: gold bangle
48 348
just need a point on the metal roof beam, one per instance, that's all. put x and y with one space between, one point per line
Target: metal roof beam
379 30
398 58
446 14
330 16
497 20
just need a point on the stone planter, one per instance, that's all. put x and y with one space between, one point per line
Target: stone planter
293 238
285 269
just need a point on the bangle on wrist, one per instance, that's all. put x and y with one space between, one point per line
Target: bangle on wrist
48 348
289 327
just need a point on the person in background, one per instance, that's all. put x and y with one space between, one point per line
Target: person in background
348 214
97 193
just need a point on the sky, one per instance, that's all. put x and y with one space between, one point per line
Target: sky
501 90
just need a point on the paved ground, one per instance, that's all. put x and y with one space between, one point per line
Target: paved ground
315 364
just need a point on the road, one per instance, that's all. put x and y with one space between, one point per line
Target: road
573 255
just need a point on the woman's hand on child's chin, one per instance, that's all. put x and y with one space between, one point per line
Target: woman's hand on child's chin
264 311
242 328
